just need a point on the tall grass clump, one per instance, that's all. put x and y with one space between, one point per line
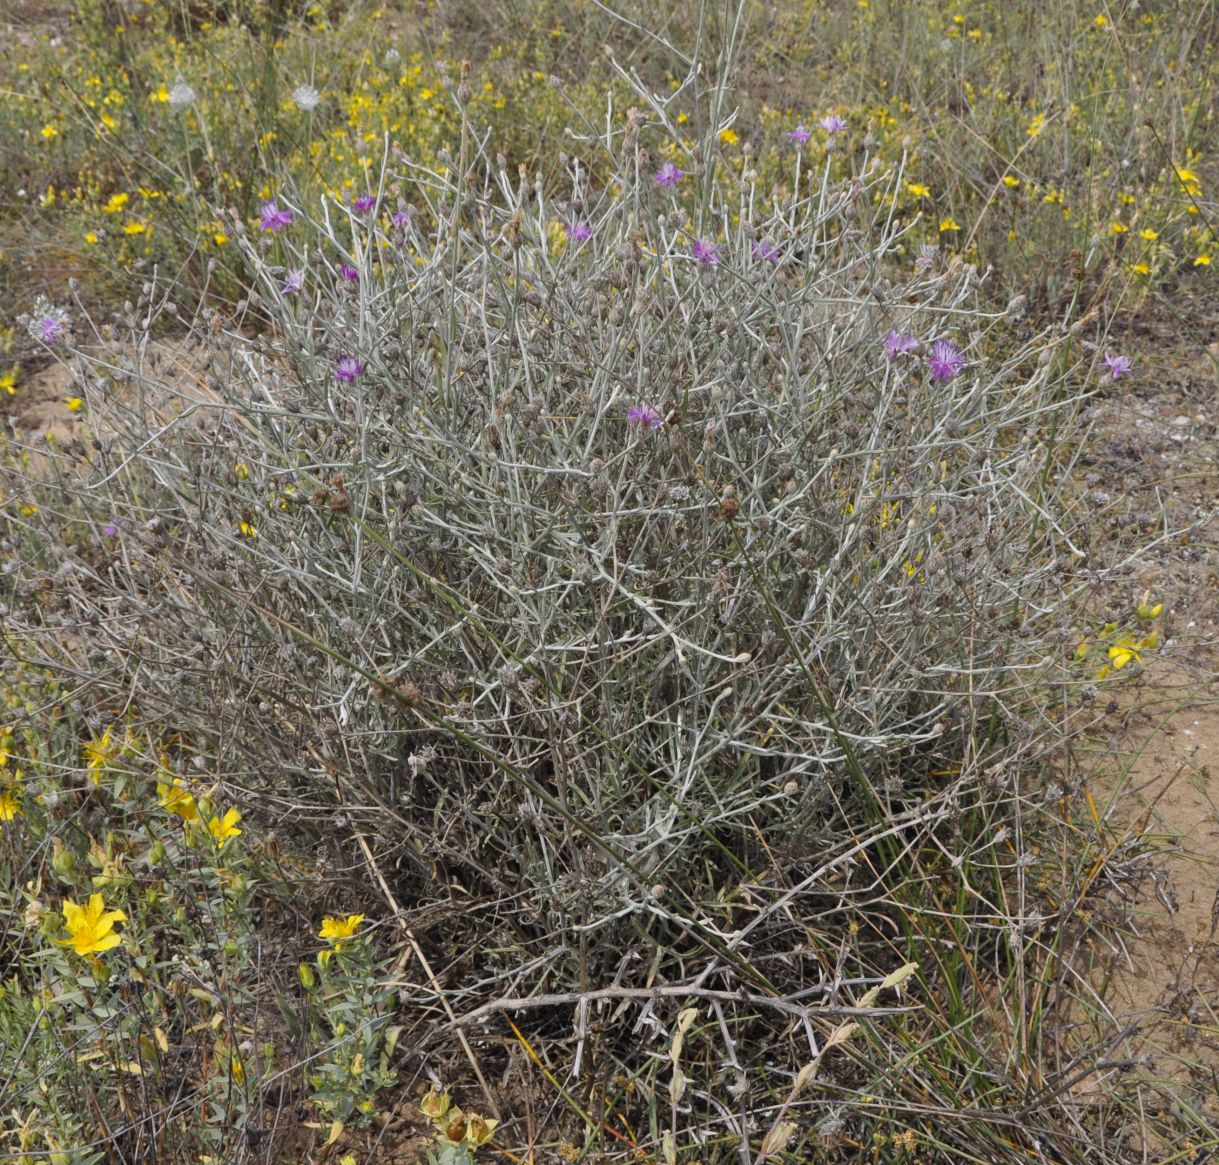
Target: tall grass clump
656 586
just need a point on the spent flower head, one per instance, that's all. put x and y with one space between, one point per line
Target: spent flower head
945 360
181 95
306 98
1119 366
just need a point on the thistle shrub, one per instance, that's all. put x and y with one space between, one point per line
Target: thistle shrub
626 564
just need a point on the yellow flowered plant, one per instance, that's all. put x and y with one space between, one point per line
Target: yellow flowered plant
224 829
336 930
178 800
100 754
90 927
10 805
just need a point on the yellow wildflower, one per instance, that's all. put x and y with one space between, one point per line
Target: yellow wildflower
99 754
335 930
918 189
729 137
10 805
222 830
91 928
1011 181
949 224
1118 228
8 381
1036 125
1149 235
49 132
116 202
74 403
178 800
1200 261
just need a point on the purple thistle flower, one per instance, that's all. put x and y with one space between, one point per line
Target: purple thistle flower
51 329
669 175
348 368
763 251
1119 366
899 343
832 123
364 202
111 529
579 232
708 254
926 257
945 360
348 272
275 217
645 417
402 218
293 282
799 135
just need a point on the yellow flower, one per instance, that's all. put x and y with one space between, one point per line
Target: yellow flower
1118 228
74 403
949 224
334 930
92 237
1101 20
176 799
1149 234
1120 654
91 927
1200 261
160 94
223 830
116 203
134 228
918 189
49 132
247 530
1141 269
8 381
1036 125
99 754
220 238
10 805
729 137
1010 181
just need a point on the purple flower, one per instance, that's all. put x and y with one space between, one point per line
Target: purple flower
293 282
50 329
364 202
945 360
799 135
348 272
764 252
348 369
645 416
1119 366
832 123
579 232
275 218
669 175
926 257
708 254
111 529
402 218
899 343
